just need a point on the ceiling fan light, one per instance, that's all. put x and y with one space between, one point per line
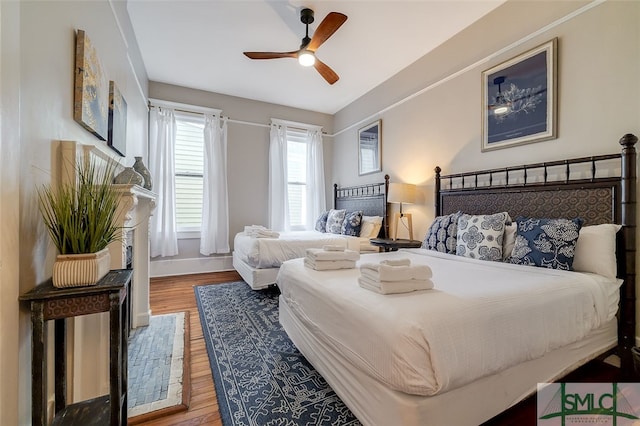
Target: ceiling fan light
306 58
503 109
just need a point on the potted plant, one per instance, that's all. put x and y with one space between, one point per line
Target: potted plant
81 220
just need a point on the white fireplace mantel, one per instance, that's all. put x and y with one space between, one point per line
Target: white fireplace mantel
88 335
136 206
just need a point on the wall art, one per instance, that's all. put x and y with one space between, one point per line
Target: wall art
117 139
519 99
91 94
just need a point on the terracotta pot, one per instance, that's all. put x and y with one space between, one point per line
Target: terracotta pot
76 270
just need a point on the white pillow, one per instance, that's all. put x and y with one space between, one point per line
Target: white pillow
596 250
370 227
509 240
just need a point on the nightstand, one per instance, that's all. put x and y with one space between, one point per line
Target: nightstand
389 244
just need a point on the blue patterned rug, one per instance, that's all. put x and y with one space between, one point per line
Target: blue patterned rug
260 376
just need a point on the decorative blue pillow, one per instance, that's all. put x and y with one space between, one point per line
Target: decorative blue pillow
321 222
442 234
334 221
352 223
549 243
480 236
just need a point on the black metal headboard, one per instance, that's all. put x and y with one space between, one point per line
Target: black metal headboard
370 198
566 188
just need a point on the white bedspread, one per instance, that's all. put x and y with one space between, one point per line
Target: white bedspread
271 252
480 318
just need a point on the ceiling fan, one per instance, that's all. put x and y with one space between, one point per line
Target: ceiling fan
306 54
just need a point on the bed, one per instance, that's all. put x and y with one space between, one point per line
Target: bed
468 350
258 260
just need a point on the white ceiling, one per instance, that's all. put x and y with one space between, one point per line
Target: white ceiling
199 44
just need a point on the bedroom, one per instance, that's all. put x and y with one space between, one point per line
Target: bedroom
599 60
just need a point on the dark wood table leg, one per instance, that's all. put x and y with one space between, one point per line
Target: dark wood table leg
38 366
124 350
115 360
60 364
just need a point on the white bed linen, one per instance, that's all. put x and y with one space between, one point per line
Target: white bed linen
482 317
271 252
374 404
256 278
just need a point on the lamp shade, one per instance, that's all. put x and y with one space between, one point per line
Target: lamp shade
401 193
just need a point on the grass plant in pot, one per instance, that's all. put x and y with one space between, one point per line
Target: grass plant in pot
81 218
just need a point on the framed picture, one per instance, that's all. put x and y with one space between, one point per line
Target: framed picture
369 149
91 94
519 99
117 135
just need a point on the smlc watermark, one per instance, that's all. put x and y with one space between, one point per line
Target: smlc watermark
615 404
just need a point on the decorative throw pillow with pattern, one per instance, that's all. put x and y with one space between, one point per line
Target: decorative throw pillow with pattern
334 221
549 243
442 234
480 236
352 223
321 222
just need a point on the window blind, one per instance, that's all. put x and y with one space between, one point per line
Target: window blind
297 177
189 167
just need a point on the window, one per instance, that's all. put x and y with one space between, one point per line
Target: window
189 169
297 177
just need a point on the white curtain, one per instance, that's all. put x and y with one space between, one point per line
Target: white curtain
278 199
214 232
316 198
162 137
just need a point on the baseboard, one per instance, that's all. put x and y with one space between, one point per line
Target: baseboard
166 268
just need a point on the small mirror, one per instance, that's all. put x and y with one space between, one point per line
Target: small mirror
369 149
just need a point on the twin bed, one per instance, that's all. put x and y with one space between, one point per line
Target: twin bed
489 332
258 260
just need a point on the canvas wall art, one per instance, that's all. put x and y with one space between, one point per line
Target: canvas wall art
91 94
117 120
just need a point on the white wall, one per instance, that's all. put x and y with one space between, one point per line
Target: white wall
37 81
598 96
13 324
247 157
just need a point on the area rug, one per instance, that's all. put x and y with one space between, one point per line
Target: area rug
260 377
159 368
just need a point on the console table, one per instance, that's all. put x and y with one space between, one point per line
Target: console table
51 303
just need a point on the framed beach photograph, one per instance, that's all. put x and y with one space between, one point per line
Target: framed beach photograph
519 99
369 152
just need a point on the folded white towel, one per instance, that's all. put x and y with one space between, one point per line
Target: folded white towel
393 287
266 234
396 262
259 231
320 254
382 272
333 247
329 265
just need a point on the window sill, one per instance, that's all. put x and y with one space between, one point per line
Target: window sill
188 235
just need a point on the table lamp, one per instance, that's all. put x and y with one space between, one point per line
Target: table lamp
402 193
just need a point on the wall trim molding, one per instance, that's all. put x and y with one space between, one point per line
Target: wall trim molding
479 62
166 268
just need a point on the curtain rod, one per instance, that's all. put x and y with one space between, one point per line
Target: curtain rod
230 120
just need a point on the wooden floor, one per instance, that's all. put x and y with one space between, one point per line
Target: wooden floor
175 294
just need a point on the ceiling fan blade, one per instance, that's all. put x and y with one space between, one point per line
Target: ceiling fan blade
325 71
271 55
327 27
